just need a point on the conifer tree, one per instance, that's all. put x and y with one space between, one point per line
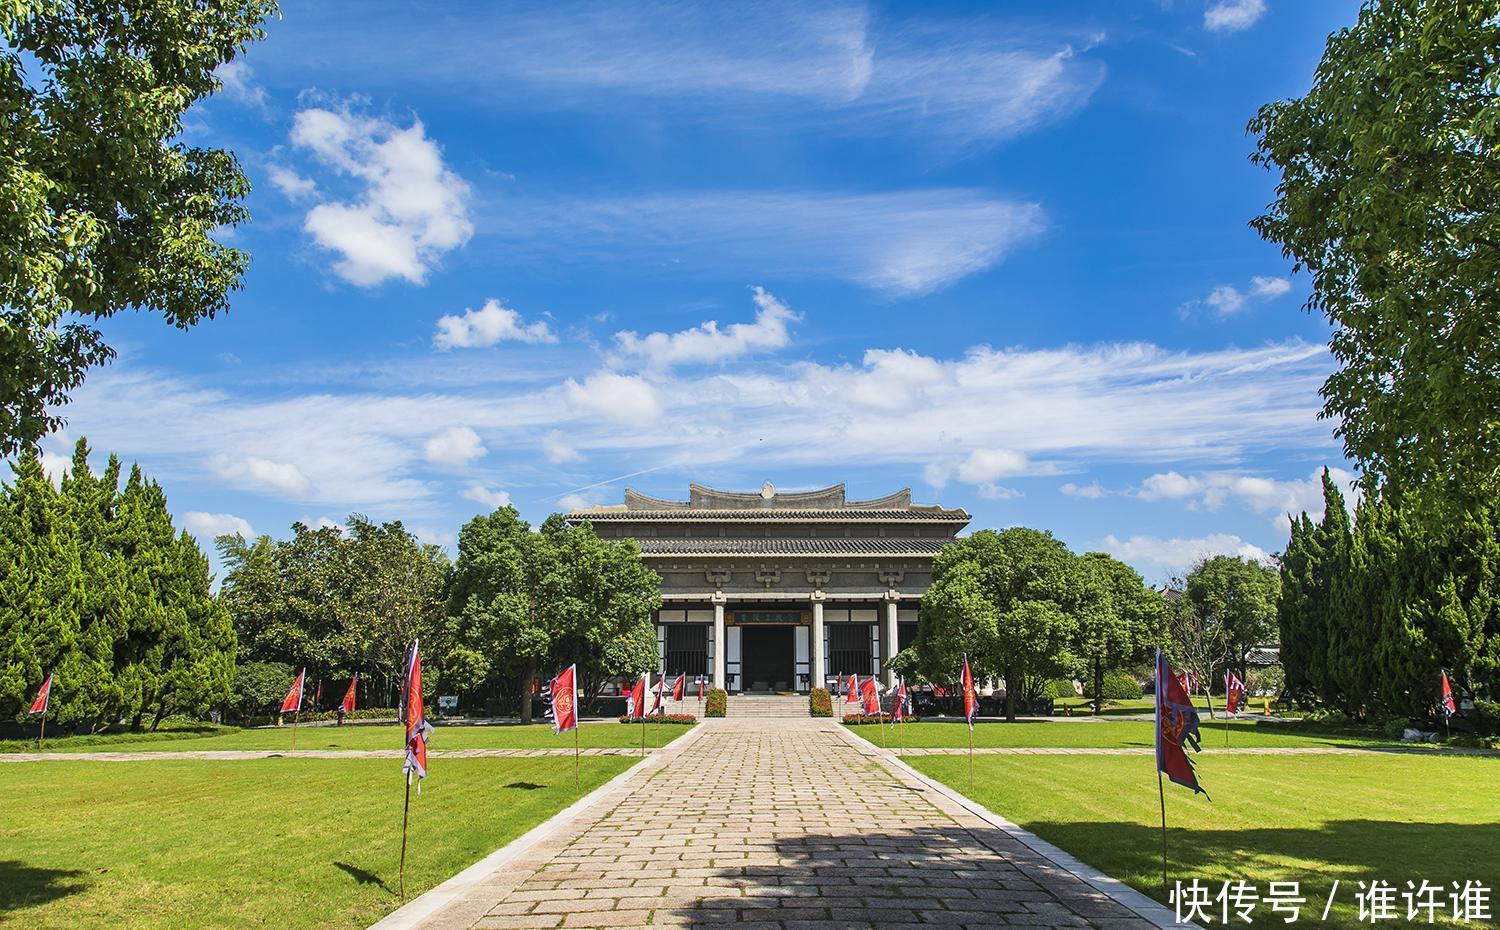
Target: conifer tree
91 502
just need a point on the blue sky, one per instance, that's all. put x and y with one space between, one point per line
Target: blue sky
996 253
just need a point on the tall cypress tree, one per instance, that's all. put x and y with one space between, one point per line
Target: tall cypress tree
1298 623
1331 633
91 501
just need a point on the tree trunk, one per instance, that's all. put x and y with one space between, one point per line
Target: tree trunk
1098 687
527 675
1010 694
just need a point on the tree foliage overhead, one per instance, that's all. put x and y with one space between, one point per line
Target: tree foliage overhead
100 589
102 206
1390 198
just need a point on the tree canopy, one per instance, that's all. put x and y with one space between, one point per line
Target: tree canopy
102 206
1390 198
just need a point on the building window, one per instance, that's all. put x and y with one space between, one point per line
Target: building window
686 650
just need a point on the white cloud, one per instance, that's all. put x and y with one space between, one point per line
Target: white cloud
408 210
1233 15
622 398
1211 490
905 243
708 343
281 478
491 324
209 526
479 493
239 84
1226 300
431 537
558 450
1158 558
995 492
454 447
1091 491
573 502
986 465
291 184
323 523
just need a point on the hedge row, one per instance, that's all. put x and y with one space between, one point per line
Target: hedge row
662 718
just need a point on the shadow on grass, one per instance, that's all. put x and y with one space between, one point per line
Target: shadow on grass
525 785
363 877
23 885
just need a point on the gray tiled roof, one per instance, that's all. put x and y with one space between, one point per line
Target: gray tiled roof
914 515
795 546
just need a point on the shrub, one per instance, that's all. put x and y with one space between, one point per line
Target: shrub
662 718
1118 686
715 703
820 703
258 688
876 718
363 713
1268 681
1486 715
1060 688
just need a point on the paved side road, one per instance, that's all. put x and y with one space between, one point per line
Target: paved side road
781 824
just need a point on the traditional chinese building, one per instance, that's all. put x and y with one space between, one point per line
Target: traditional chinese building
776 591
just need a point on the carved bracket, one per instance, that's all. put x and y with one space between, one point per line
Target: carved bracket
718 577
817 577
767 576
892 577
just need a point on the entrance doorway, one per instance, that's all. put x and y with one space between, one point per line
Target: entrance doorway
767 658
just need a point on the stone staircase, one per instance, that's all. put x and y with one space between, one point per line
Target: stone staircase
766 705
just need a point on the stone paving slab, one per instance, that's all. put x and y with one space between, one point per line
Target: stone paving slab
784 824
236 755
1207 751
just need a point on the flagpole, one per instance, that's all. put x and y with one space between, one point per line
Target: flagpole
295 717
1161 793
43 734
405 814
576 788
971 759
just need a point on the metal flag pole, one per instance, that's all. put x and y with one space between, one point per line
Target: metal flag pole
405 815
295 717
43 734
577 789
1162 794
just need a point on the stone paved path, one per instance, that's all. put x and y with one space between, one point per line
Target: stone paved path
233 755
1207 751
780 824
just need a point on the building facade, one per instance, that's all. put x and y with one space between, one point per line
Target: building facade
775 591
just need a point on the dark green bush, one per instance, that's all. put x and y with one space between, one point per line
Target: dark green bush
820 703
1119 686
715 703
1060 688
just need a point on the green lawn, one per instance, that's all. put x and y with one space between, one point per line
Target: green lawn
607 733
1093 734
280 843
1308 818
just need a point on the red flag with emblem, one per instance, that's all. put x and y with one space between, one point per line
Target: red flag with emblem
635 700
1234 692
347 705
565 700
414 716
656 695
39 706
293 700
870 694
851 692
678 685
898 707
971 696
1449 708
1176 727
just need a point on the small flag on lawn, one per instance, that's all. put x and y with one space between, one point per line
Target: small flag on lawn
678 685
1449 708
563 706
870 692
414 716
318 695
851 693
971 697
635 700
1176 727
1234 692
656 695
702 683
39 706
292 703
898 707
347 706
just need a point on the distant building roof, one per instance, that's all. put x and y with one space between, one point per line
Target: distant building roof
823 505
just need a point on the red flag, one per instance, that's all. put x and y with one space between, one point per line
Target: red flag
1449 708
318 695
702 683
293 700
348 704
414 716
635 700
1176 727
677 687
870 692
565 700
852 692
39 706
656 695
898 709
971 697
1234 692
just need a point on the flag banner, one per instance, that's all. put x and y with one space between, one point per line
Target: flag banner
656 695
39 706
1449 708
293 700
898 706
635 700
563 706
1176 727
414 716
971 696
347 705
677 687
852 694
870 692
1234 693
702 683
318 695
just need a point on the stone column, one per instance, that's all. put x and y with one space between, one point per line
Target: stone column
888 645
818 676
721 644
